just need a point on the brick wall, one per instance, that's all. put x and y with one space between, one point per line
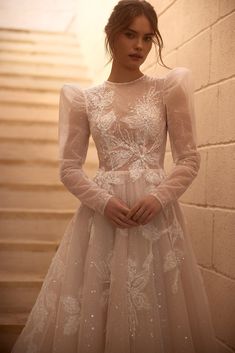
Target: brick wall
201 36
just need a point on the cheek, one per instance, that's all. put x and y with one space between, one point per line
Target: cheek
120 46
148 48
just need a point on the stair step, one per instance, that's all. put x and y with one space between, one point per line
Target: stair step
29 130
28 150
19 112
12 35
28 97
11 325
32 173
41 48
16 259
37 83
20 279
13 319
31 196
19 291
37 150
37 58
28 245
33 224
28 173
66 72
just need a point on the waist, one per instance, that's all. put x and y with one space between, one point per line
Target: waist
129 171
152 175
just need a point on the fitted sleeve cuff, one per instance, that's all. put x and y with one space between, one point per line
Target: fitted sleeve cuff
104 203
161 201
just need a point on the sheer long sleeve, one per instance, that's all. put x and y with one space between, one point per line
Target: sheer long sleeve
74 133
178 100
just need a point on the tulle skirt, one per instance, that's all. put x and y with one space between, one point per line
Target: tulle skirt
113 290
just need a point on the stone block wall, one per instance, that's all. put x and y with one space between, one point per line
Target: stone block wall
200 35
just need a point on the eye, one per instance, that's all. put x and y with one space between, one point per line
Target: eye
148 39
129 35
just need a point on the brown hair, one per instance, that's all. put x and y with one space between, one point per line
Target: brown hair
122 16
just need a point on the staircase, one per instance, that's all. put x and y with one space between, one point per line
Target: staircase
35 207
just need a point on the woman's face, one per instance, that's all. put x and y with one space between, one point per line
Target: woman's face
132 46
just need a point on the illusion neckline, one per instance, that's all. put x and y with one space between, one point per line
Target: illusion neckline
125 83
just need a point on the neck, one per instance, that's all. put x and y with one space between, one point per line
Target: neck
122 74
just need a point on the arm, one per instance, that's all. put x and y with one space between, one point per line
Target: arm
74 133
179 103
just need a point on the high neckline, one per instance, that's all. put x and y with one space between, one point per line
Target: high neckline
125 83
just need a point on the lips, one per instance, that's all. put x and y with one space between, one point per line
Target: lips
136 56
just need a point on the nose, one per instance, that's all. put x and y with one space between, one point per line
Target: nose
139 43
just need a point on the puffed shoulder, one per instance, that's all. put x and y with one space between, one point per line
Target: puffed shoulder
73 95
178 82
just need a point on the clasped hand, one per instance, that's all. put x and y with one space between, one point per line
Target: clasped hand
142 211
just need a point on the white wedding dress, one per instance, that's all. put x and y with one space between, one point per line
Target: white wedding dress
113 290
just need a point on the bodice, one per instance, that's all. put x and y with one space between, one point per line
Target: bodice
128 124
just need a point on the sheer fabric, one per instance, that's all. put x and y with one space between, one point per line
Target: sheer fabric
112 290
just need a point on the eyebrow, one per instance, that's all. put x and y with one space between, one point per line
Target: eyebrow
132 30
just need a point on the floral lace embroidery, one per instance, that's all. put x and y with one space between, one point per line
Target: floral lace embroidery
72 308
106 180
103 268
144 112
175 256
136 283
150 231
99 100
133 140
45 305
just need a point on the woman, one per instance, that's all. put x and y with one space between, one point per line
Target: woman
124 278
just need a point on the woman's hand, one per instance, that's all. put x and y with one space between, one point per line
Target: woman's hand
145 209
116 210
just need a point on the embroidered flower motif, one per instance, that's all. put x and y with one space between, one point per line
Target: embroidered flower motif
99 100
130 141
136 283
106 179
103 268
153 176
150 232
175 256
45 305
72 309
104 122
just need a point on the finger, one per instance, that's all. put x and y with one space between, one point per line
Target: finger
138 214
124 218
148 219
120 222
144 216
127 221
133 210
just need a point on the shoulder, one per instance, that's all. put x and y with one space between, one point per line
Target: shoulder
178 82
178 76
71 89
72 93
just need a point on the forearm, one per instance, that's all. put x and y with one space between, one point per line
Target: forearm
178 180
86 190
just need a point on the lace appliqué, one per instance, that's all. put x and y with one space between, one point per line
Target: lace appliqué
72 309
103 268
150 231
44 308
106 180
175 256
131 140
136 283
